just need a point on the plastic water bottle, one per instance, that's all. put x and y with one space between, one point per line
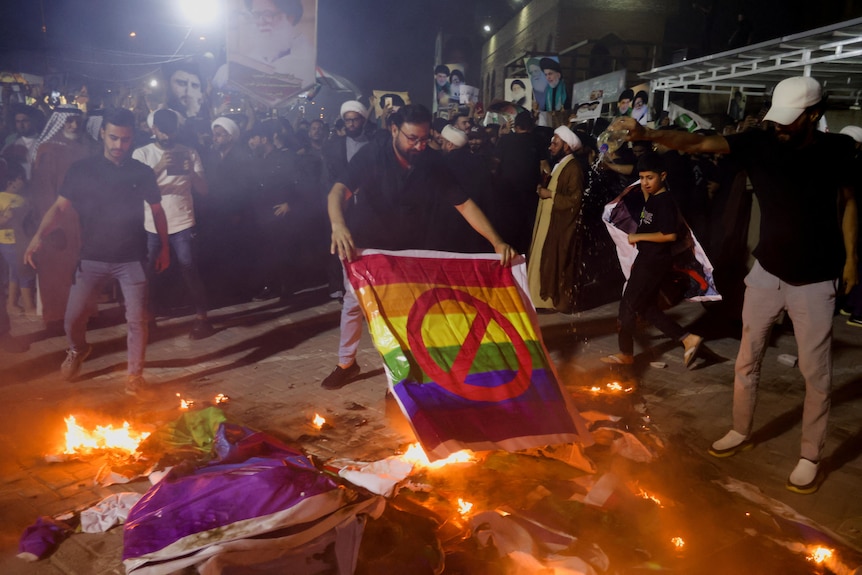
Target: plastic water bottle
610 141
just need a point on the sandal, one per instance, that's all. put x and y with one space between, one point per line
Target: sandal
691 351
618 359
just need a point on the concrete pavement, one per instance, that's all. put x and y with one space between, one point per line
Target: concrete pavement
270 357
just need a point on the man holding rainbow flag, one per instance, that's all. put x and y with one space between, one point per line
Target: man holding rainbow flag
457 333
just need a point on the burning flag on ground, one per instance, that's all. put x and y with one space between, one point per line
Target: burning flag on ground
262 504
463 352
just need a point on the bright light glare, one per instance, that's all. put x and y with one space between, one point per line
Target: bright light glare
199 12
486 27
153 84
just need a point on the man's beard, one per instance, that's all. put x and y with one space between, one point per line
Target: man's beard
788 139
354 133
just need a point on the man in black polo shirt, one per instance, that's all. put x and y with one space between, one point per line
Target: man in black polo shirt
800 176
108 194
392 188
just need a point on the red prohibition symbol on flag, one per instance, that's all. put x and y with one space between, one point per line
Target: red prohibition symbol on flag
454 380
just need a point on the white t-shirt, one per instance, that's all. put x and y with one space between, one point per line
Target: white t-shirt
176 190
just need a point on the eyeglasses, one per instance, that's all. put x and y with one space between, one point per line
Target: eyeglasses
357 120
414 140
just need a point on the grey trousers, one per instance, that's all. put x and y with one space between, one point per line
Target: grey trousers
90 278
811 307
351 325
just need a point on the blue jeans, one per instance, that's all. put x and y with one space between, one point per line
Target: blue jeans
184 246
90 280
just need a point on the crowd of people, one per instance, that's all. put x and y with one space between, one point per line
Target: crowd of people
188 219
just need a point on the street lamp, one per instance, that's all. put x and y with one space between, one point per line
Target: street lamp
200 12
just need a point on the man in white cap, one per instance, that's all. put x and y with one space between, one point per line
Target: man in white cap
808 229
473 173
453 139
224 214
337 153
552 260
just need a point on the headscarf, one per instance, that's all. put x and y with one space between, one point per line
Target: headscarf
57 121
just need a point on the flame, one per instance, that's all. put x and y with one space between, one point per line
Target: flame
650 497
318 421
80 440
221 398
678 542
820 554
464 507
611 387
185 403
416 455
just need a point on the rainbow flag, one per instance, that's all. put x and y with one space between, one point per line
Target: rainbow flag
462 348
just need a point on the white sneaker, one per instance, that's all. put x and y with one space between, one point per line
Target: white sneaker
732 443
805 477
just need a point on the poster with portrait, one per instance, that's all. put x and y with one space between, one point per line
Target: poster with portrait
537 69
271 48
589 110
519 91
448 79
468 95
606 88
736 105
185 90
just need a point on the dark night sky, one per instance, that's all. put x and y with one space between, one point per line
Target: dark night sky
378 44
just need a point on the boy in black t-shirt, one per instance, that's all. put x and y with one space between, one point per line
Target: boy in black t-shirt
658 227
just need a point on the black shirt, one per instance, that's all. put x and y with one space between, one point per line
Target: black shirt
110 200
659 214
798 190
392 207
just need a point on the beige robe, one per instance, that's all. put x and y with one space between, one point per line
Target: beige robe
540 234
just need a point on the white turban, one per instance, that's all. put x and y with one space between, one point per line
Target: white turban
568 137
854 132
354 106
228 125
455 136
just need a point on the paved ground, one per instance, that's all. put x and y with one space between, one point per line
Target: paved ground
270 357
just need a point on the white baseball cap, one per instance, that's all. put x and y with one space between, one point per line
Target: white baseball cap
791 97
